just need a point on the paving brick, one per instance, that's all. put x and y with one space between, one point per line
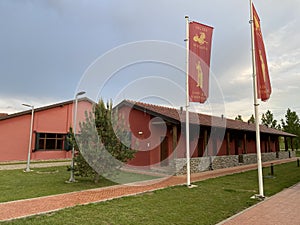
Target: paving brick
282 209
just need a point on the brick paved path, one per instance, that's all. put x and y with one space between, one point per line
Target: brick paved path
280 209
23 208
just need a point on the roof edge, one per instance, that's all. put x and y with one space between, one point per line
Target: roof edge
68 102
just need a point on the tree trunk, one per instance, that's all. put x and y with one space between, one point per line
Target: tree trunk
96 178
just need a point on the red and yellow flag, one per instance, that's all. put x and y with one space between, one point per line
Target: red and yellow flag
200 39
262 73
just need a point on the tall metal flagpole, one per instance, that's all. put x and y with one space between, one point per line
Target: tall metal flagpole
259 164
187 120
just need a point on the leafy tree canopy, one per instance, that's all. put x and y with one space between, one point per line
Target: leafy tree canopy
239 117
291 124
268 120
251 119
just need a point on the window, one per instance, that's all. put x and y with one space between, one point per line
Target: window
51 141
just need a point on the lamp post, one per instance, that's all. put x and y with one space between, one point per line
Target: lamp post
72 178
30 137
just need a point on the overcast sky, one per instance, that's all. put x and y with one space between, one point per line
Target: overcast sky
47 45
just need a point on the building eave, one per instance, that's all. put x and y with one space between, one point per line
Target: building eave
173 115
60 104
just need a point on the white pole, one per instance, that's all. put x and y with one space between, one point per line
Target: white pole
259 164
30 138
187 120
72 177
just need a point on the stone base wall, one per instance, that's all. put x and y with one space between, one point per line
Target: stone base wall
218 162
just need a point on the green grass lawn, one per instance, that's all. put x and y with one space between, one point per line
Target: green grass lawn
35 162
16 184
209 203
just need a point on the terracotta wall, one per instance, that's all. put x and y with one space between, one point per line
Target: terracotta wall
14 132
14 138
147 143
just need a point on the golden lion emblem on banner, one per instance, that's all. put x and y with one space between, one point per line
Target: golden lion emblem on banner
200 38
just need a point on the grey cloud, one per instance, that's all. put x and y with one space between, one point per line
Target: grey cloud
47 45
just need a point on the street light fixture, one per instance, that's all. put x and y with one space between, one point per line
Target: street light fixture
30 137
72 178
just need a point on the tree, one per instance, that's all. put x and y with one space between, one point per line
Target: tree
104 143
278 127
268 120
292 125
251 119
239 117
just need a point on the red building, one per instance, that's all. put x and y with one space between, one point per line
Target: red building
51 125
158 135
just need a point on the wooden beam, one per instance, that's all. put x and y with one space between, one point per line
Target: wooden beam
277 144
245 143
286 144
205 143
228 143
174 140
269 143
292 144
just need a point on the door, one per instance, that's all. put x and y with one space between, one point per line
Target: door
200 147
164 151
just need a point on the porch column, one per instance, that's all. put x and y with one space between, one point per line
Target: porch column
286 144
245 143
205 143
174 140
228 143
277 146
269 143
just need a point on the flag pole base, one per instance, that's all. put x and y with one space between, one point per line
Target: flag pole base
71 181
192 186
259 197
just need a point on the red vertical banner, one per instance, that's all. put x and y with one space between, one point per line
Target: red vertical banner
200 39
262 72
